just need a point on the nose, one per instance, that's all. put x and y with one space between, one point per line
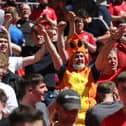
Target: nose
46 89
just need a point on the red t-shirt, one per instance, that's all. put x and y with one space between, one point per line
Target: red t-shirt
105 77
88 37
37 12
117 10
116 119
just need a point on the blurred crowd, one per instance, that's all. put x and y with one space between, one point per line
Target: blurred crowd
63 62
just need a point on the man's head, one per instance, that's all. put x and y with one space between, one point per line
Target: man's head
121 85
3 65
37 36
77 51
111 64
79 24
34 87
85 15
52 31
68 105
3 42
106 90
11 12
3 100
26 116
25 10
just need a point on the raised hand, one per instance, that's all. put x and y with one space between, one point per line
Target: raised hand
61 26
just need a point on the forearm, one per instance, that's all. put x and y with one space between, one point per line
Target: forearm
57 61
40 53
61 47
91 47
52 22
72 29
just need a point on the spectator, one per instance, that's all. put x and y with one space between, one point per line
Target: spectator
24 23
11 17
11 96
72 73
67 104
3 100
26 115
118 12
103 12
94 25
108 103
45 65
16 63
118 118
116 60
33 89
44 14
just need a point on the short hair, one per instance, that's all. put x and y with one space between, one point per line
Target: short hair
24 114
3 35
106 87
3 97
32 80
29 81
83 13
12 11
33 30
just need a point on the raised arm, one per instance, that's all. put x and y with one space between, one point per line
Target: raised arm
115 36
61 42
71 19
57 60
28 60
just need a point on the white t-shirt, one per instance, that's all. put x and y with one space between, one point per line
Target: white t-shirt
15 63
1 16
11 98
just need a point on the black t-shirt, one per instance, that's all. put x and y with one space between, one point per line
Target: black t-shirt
4 122
96 114
25 27
44 67
96 27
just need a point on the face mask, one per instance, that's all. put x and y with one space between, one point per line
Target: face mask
78 67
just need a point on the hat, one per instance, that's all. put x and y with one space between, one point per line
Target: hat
121 76
68 99
75 44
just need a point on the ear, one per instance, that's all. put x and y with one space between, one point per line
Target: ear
29 90
4 105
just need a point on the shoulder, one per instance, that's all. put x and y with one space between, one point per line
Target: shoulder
7 88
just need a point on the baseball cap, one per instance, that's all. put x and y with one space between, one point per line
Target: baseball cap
69 99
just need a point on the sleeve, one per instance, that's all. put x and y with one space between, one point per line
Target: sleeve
89 118
15 63
54 15
61 72
12 100
95 72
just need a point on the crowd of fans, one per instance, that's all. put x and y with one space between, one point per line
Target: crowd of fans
63 63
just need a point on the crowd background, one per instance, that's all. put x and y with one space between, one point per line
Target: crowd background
48 47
